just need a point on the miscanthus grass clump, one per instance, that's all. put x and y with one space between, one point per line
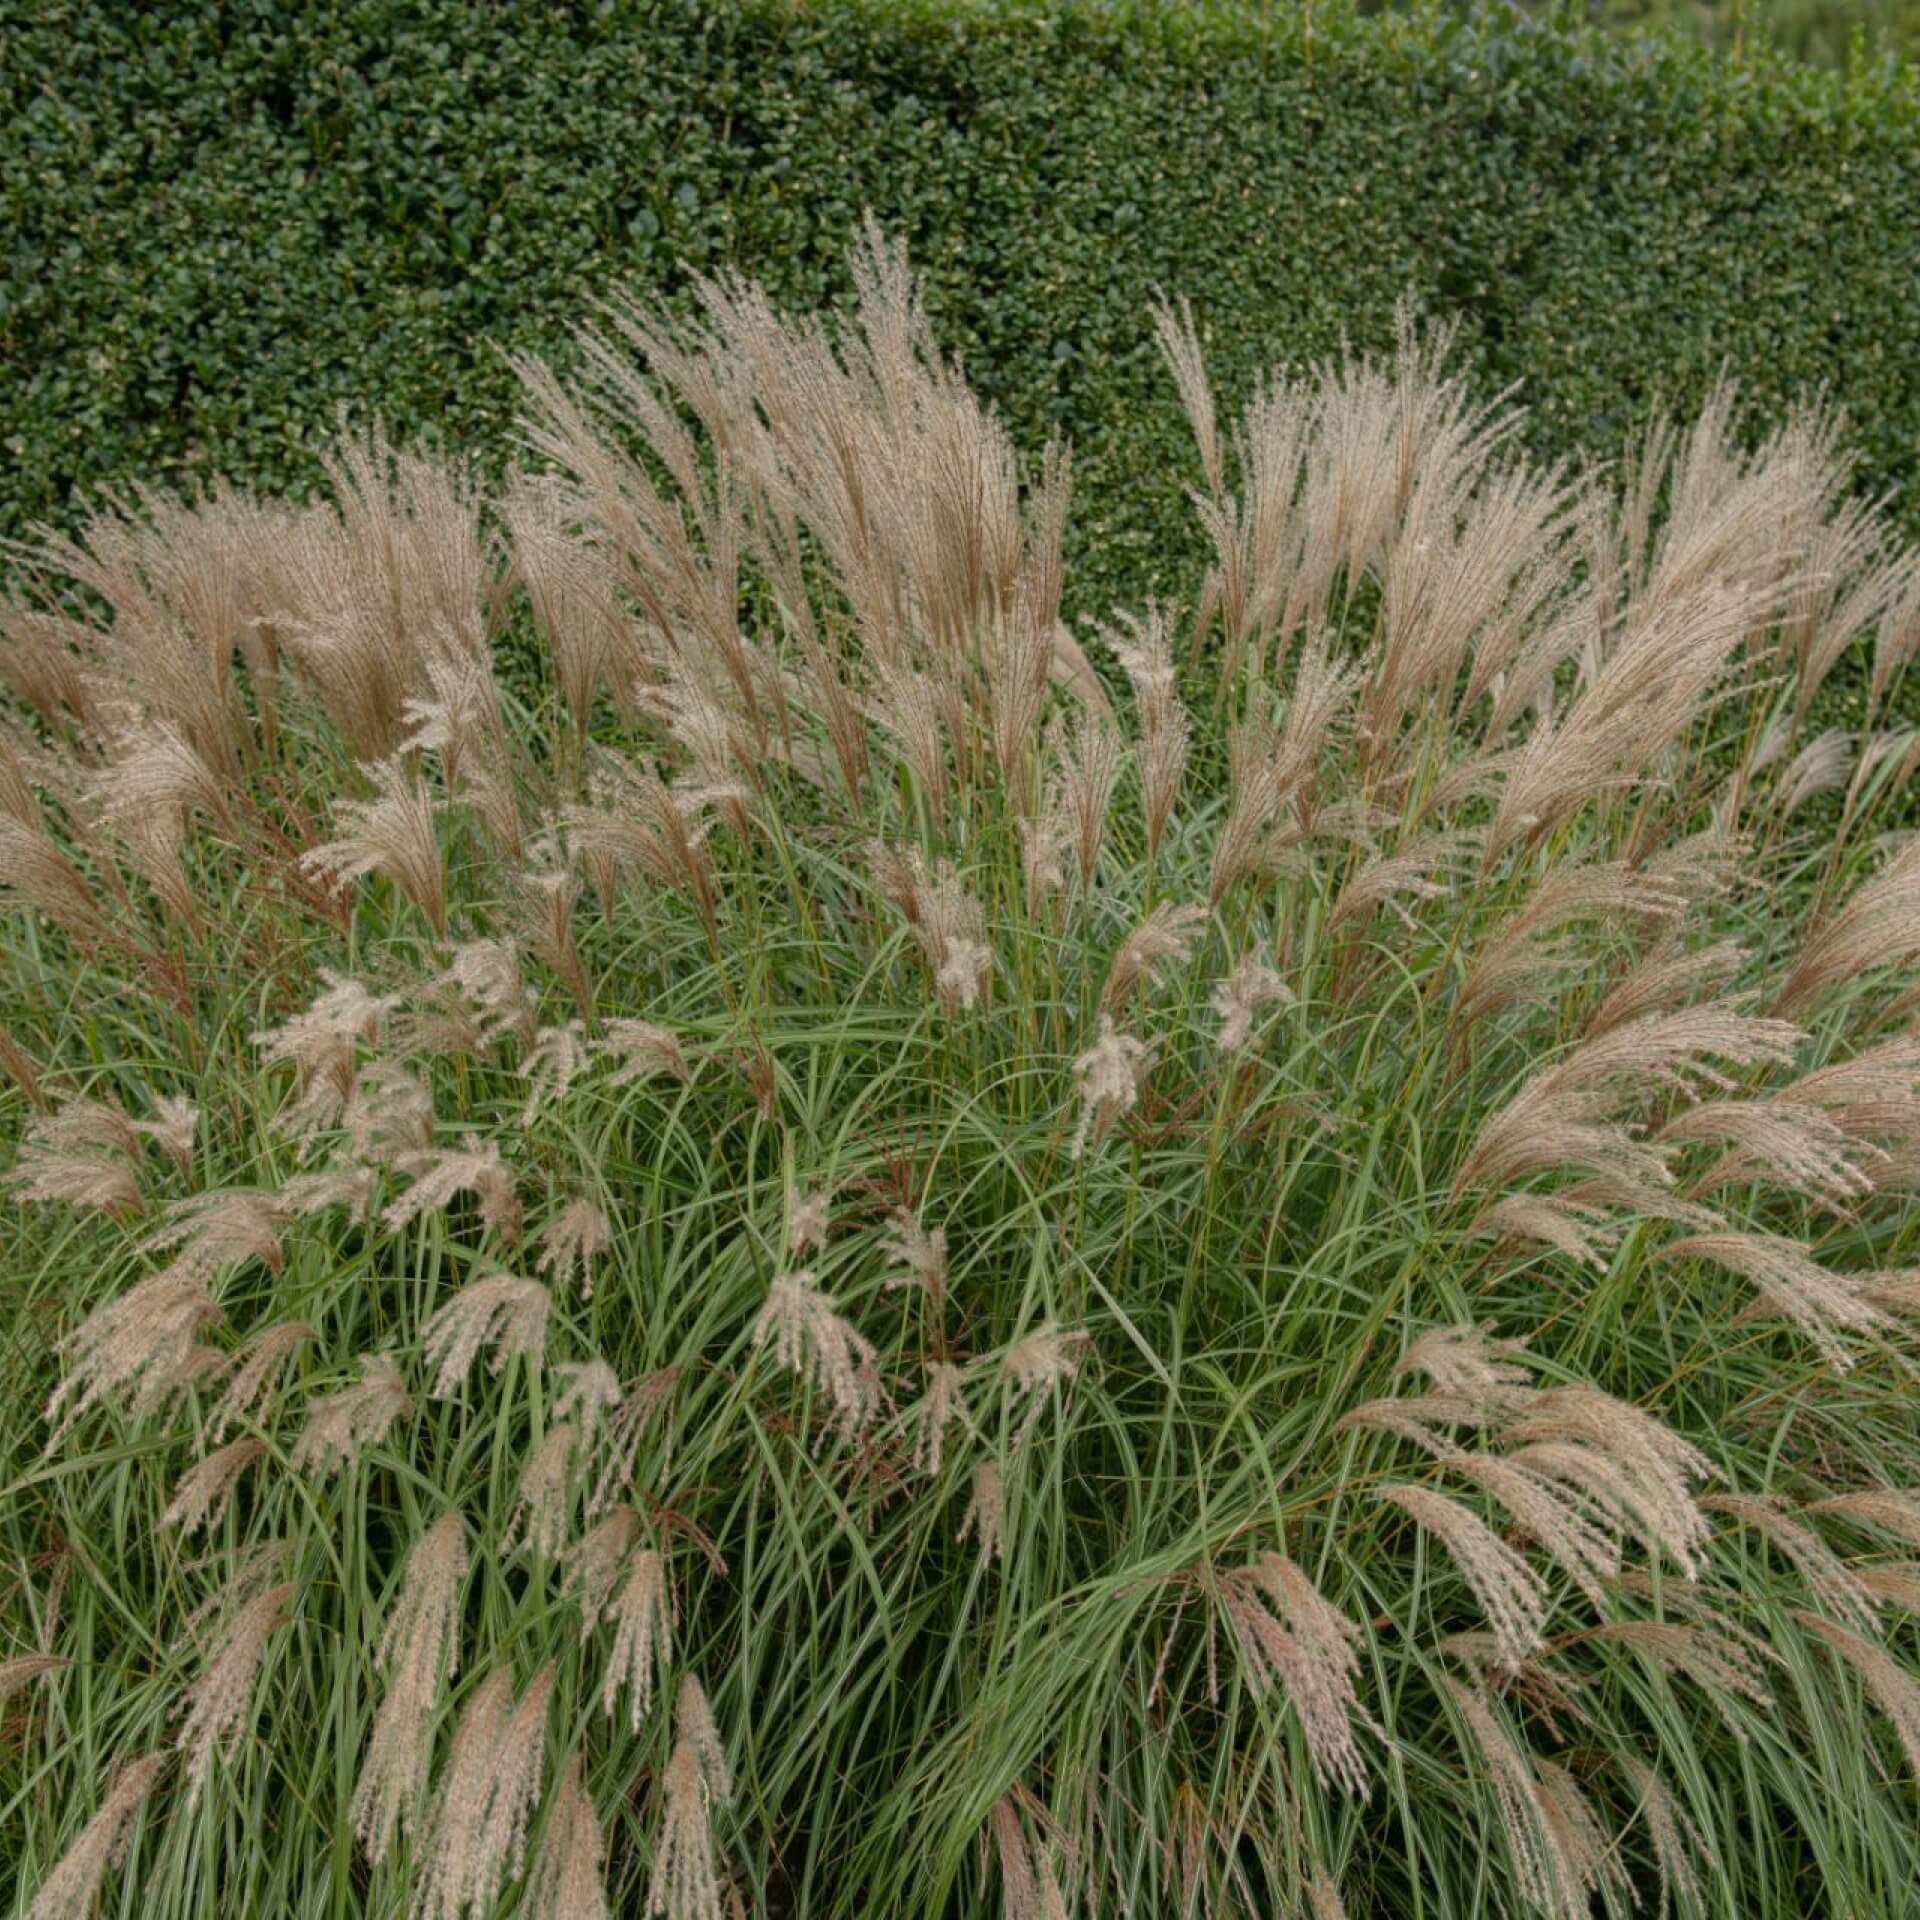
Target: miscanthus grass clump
836 1251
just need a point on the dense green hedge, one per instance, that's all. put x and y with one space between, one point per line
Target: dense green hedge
223 221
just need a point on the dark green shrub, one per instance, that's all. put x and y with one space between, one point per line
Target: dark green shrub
226 221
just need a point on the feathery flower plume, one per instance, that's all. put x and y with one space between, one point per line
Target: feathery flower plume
322 1045
1543 1874
219 1704
1046 1358
202 1494
1894 1583
1895 1691
483 979
1712 1660
476 1835
1676 1840
1668 979
1566 1115
1146 657
557 1058
1291 1634
1028 1887
72 1890
589 1393
155 775
440 1173
1586 1859
986 1514
342 1426
1826 1306
1019 1884
419 1651
1509 1591
1896 1291
143 1344
810 1337
256 1366
639 823
418 1641
1788 1143
570 1242
1821 766
86 1123
1874 1096
920 1255
941 1406
1044 840
388 1115
499 1311
543 1500
1109 1074
693 1723
460 1804
1323 1897
565 1881
809 1219
38 873
685 1885
1638 703
1383 877
172 1129
1166 934
1469 1362
151 844
458 721
502 1840
63 1159
1579 1231
1416 1417
1161 757
23 1671
951 928
625 1430
642 1050
1250 838
391 834
948 925
1878 926
1239 997
906 705
1533 944
1620 1458
1271 774
1893 1510
225 1228
591 1566
547 894
339 1183
1087 756
643 1613
1828 1577
1551 1514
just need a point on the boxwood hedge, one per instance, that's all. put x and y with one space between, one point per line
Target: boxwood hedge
224 220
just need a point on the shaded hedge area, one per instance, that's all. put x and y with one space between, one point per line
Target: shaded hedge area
224 221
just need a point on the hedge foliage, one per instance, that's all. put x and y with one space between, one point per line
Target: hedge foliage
1833 32
223 220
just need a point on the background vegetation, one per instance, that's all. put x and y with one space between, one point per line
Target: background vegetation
223 222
